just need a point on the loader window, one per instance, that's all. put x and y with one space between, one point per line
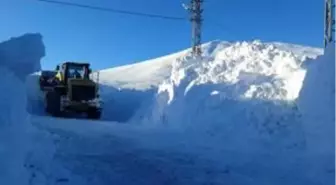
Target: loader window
77 72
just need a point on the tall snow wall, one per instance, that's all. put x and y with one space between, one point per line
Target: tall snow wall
246 91
14 128
317 102
19 57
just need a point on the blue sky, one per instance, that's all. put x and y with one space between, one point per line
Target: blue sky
107 39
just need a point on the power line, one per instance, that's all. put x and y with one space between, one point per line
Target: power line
115 10
221 28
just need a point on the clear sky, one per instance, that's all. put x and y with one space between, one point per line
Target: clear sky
108 39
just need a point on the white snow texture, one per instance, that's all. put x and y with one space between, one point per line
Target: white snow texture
14 123
317 101
250 73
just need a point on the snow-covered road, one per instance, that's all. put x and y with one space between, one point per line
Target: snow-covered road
113 153
100 157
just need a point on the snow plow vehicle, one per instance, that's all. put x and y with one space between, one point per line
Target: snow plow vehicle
70 89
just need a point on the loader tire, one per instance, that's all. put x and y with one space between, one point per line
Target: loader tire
93 113
54 104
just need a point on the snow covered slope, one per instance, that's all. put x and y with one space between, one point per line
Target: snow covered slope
150 73
141 75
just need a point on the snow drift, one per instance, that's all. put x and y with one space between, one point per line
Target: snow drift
22 54
243 101
239 72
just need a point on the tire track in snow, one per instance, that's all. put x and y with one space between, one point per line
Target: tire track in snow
100 157
111 153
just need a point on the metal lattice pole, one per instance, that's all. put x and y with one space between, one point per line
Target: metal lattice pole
329 22
196 20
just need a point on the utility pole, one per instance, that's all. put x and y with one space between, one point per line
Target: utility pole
329 21
196 11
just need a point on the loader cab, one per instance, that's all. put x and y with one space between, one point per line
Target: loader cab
71 70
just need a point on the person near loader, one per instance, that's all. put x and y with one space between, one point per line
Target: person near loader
59 75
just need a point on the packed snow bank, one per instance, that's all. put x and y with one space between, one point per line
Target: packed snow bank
255 69
14 129
24 150
317 102
239 107
22 54
244 95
